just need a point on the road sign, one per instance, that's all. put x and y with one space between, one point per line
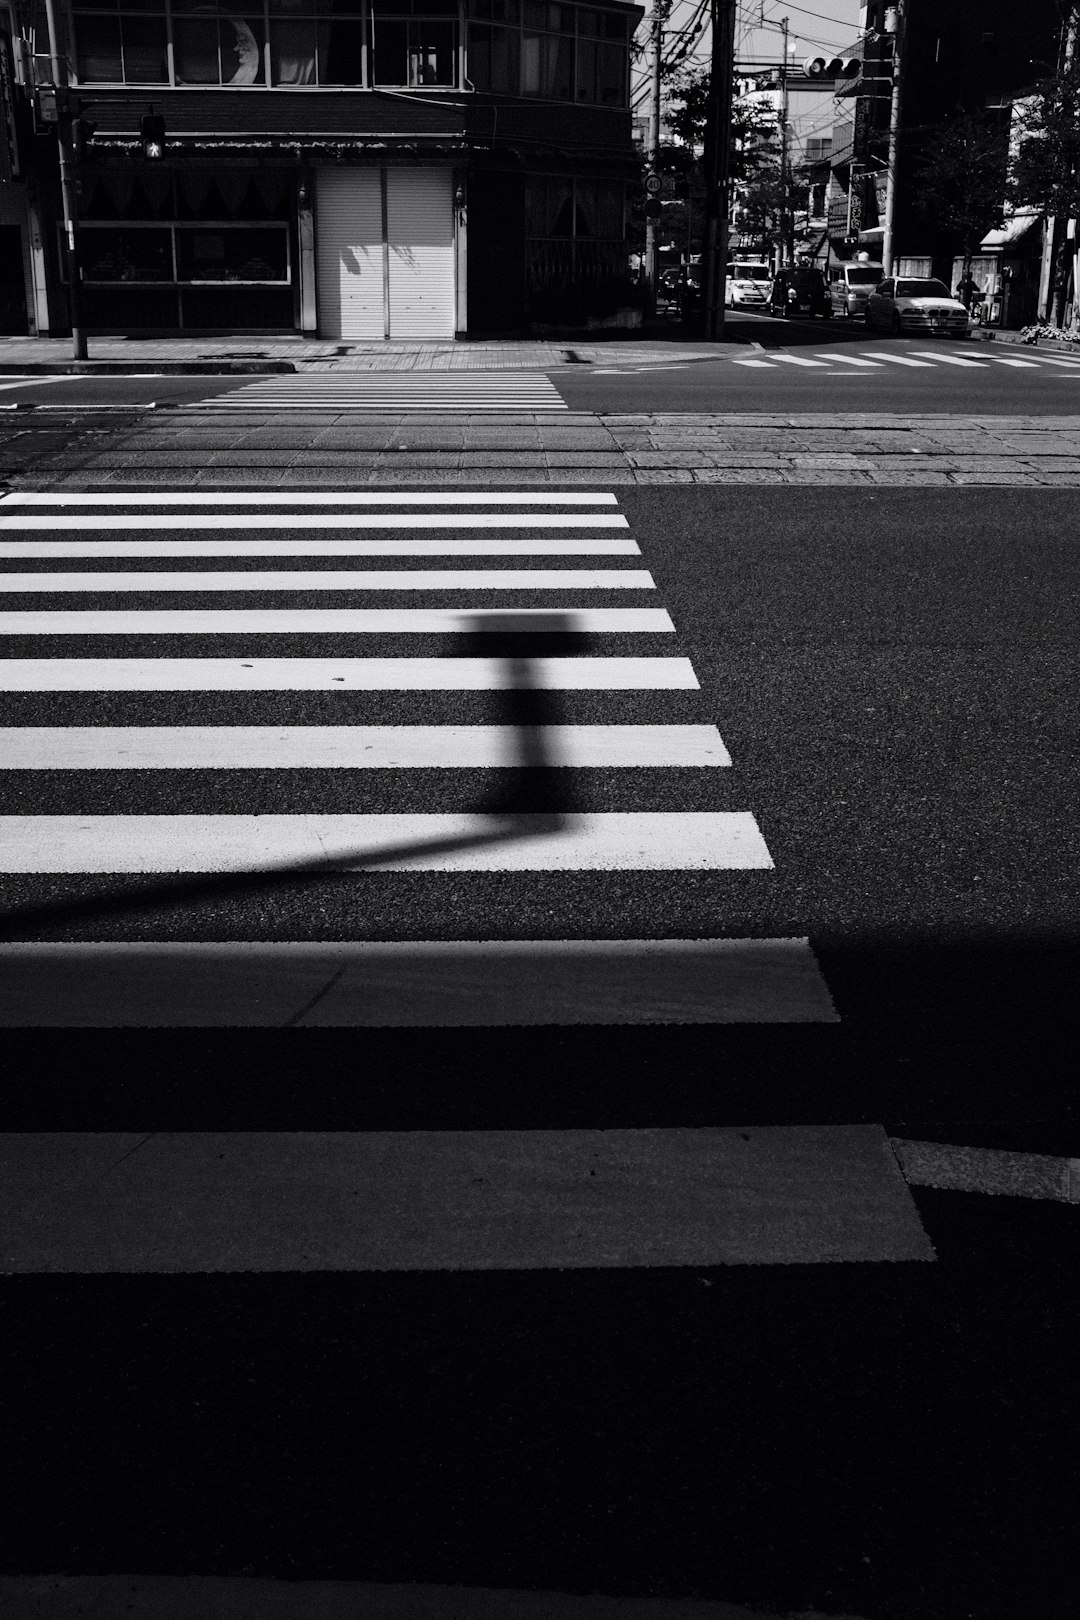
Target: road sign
653 209
653 184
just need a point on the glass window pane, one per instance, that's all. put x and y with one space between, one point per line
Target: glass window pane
125 255
614 25
391 52
234 255
585 81
292 52
341 52
241 50
611 75
478 66
588 22
431 53
145 57
609 209
195 50
558 67
141 5
98 50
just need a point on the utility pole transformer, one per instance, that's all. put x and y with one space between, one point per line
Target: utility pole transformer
718 163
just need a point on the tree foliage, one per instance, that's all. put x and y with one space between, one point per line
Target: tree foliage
1045 170
960 179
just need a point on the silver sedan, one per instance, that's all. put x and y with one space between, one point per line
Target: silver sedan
916 304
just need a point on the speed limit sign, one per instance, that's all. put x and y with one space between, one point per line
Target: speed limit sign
653 184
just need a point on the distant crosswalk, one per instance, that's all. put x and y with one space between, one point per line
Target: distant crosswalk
827 361
476 392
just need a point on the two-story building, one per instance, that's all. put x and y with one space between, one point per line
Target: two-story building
356 169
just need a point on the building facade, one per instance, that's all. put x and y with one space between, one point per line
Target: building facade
354 169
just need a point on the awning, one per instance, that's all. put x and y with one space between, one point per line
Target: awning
1012 230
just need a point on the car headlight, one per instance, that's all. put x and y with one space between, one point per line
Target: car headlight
792 294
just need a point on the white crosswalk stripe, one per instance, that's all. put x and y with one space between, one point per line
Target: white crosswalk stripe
512 840
866 360
479 393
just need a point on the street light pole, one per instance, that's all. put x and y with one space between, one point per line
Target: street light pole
894 25
660 11
68 186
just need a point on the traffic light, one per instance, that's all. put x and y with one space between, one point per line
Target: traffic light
153 137
832 67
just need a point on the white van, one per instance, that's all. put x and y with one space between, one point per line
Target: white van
746 281
851 284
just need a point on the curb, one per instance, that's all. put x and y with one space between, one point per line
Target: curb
144 368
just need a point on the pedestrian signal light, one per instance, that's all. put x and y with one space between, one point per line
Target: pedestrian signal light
153 137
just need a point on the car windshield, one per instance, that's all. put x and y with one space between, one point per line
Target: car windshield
868 277
805 279
922 289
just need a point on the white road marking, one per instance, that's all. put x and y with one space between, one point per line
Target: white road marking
478 393
323 520
988 1170
662 841
851 360
329 621
1057 360
62 748
444 497
409 984
1006 360
342 674
42 382
22 549
950 359
763 365
895 359
798 360
336 579
452 1200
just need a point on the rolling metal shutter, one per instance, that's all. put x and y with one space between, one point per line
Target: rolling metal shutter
350 267
420 235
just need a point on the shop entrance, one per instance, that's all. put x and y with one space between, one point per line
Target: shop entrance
385 253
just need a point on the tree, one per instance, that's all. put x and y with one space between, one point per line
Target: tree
1045 169
961 180
1044 172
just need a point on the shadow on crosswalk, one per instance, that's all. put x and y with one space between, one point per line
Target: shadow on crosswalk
533 800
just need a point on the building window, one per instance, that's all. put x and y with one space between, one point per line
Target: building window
217 48
554 52
316 42
118 43
414 43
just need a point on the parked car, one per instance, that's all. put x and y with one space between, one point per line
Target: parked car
850 285
916 304
800 290
746 281
692 290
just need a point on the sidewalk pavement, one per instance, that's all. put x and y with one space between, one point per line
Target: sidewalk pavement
283 353
279 352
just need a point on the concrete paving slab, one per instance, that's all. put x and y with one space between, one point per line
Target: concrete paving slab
169 1597
173 1202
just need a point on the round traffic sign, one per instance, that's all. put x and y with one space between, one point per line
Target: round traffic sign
653 184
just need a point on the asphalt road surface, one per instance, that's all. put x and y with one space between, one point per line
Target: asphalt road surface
891 675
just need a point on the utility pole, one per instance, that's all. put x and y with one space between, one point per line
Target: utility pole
68 183
784 254
659 16
718 163
894 25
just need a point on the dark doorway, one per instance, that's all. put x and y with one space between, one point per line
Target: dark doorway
12 281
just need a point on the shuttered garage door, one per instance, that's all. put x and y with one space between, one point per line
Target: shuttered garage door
349 244
420 229
352 264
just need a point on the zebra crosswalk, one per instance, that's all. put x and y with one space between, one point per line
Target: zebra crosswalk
478 392
824 362
263 760
174 554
